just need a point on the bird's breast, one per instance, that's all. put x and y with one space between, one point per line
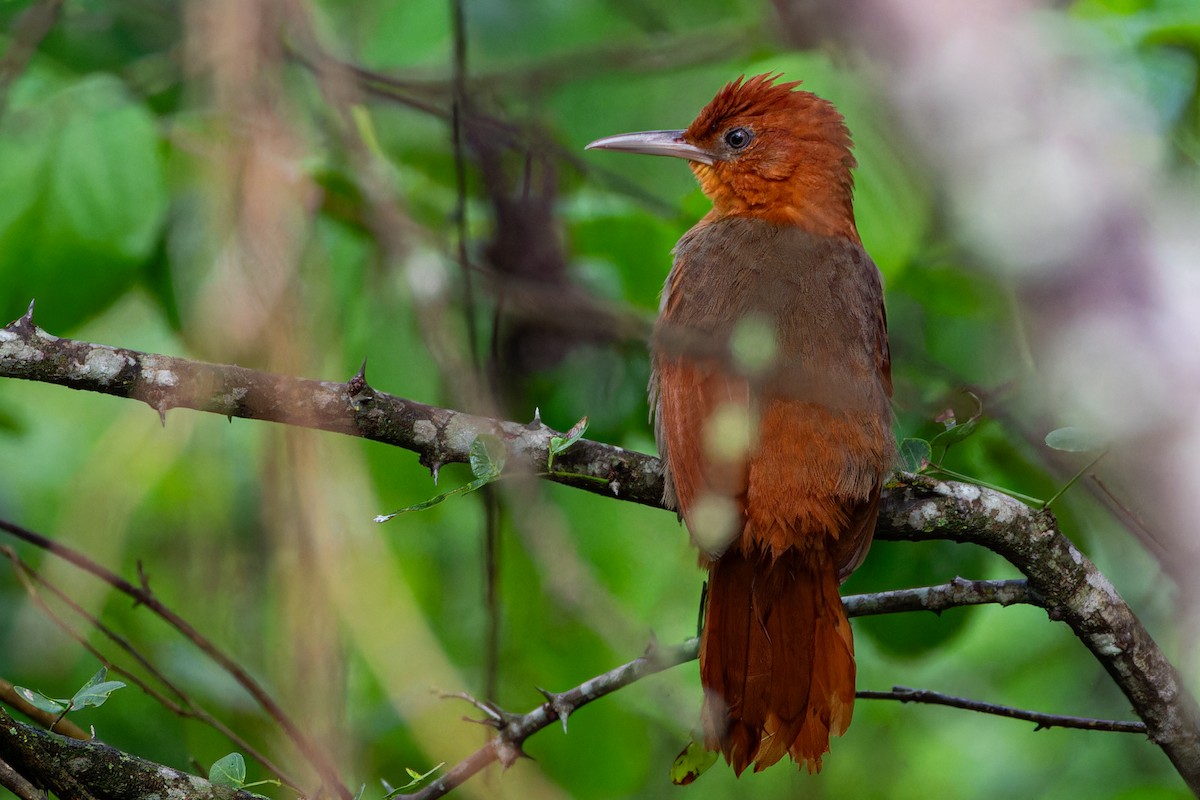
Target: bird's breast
797 313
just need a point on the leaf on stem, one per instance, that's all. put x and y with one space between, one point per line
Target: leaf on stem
1074 440
916 453
560 444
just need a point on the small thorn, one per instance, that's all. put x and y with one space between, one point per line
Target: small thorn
434 469
496 717
560 706
162 416
230 418
488 722
29 312
508 752
358 388
537 411
616 488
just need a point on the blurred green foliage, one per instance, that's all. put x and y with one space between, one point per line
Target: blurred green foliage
137 183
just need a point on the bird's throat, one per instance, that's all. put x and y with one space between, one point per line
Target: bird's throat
818 203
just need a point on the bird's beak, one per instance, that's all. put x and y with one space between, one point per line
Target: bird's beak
653 143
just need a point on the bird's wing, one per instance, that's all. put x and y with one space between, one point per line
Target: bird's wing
696 423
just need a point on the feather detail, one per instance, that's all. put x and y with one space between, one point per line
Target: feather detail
776 659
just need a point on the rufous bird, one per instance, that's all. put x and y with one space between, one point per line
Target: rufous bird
771 399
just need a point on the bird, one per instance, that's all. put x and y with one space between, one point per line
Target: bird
770 395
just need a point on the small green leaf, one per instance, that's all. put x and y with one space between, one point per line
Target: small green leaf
417 780
955 434
560 444
488 455
478 483
96 691
1074 440
693 762
964 405
42 702
916 454
229 771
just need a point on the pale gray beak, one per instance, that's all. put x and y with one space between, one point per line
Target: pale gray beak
653 143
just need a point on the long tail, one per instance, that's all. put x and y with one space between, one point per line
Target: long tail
776 658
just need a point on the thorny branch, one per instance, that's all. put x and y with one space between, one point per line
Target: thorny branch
93 770
514 729
906 695
145 597
916 508
182 706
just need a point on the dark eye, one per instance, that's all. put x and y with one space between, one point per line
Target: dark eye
738 138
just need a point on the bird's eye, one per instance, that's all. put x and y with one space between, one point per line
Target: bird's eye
738 138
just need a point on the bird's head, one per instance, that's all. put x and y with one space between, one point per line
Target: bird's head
763 149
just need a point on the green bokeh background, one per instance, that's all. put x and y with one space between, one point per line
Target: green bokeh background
117 215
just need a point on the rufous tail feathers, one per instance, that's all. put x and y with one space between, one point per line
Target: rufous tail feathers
776 658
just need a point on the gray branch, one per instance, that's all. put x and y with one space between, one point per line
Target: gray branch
71 768
513 729
915 508
906 695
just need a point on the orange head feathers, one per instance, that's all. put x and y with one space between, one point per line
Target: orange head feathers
763 149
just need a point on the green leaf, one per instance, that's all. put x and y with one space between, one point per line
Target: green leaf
229 771
488 455
692 763
965 404
42 702
85 198
1074 440
416 780
955 434
560 444
478 483
96 691
916 454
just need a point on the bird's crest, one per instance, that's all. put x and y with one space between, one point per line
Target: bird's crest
746 98
795 165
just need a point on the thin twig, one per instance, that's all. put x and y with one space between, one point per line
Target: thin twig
185 708
458 109
15 782
315 755
506 746
958 592
906 695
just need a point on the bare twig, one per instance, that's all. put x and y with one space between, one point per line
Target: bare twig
513 729
13 781
907 695
316 756
458 109
185 708
956 593
1073 591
